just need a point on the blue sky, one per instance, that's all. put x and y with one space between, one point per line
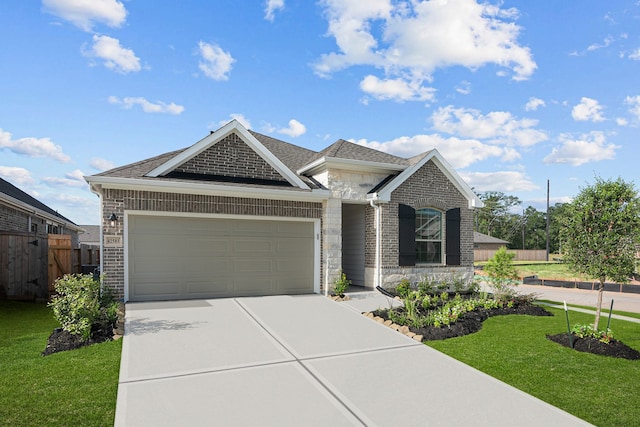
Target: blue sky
512 93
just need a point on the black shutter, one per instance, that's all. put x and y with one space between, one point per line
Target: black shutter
453 236
406 236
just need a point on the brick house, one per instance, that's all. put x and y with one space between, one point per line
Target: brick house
22 213
239 213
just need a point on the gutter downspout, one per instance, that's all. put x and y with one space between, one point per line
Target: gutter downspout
377 277
98 192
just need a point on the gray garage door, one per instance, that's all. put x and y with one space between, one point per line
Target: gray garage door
180 258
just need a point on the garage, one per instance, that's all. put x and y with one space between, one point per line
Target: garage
176 257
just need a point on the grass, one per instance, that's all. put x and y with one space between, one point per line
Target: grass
75 387
514 349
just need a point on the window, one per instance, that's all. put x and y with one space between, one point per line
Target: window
428 236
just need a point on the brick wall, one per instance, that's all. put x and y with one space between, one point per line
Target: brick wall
13 220
428 187
232 157
117 201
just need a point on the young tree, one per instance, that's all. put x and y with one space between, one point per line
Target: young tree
502 273
601 233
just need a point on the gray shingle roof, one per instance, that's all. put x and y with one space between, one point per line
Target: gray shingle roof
342 149
483 238
14 192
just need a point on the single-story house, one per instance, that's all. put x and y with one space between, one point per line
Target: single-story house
484 241
22 213
31 252
240 213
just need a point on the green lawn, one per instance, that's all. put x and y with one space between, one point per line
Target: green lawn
72 388
514 349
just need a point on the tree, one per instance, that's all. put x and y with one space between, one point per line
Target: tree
502 273
495 218
601 233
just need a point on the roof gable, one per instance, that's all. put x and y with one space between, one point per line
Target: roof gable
384 193
221 148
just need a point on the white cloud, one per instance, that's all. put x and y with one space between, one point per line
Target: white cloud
216 63
621 121
101 164
591 147
294 130
605 43
147 107
85 13
635 55
410 40
33 147
239 117
505 181
396 89
464 87
72 201
458 152
16 176
271 7
71 179
116 57
497 127
587 110
534 103
634 103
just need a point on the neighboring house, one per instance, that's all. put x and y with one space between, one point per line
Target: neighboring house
91 235
20 212
239 213
32 251
484 241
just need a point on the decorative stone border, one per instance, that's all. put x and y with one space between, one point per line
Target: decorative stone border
404 330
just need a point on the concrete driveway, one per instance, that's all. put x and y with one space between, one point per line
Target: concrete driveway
299 360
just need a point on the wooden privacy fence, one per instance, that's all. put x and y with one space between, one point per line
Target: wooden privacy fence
521 255
23 266
30 264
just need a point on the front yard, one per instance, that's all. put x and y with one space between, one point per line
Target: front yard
72 388
601 390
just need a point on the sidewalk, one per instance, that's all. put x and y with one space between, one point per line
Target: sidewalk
621 301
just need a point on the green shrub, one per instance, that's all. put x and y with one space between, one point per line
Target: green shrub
588 331
341 284
404 288
502 274
80 305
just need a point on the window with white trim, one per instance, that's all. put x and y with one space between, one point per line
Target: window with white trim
428 236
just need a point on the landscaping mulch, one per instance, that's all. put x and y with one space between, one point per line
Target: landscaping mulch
61 340
592 345
471 322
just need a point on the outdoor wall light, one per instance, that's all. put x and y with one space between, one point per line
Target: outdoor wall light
113 219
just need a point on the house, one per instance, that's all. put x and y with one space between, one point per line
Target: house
35 245
483 241
239 213
22 213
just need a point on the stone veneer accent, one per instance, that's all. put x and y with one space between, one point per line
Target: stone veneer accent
119 201
231 157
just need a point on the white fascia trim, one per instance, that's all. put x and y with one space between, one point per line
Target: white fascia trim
444 166
204 189
29 209
355 165
219 135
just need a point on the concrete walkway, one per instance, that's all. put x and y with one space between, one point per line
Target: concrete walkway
300 360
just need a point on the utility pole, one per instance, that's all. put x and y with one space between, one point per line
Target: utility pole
548 219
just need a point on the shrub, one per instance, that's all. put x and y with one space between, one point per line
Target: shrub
80 305
341 284
404 288
588 331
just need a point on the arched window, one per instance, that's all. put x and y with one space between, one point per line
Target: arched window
428 236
